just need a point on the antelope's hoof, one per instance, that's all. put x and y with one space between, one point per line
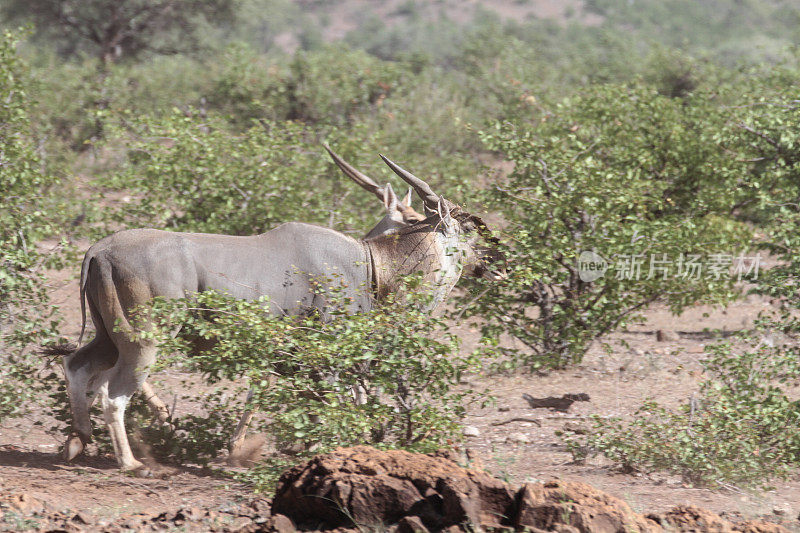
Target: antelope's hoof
137 469
246 452
142 471
74 447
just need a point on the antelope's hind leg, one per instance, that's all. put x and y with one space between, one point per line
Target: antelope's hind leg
81 370
123 381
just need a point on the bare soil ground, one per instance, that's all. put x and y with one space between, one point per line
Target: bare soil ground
518 451
618 383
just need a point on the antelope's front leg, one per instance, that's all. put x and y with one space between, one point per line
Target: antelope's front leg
158 407
236 444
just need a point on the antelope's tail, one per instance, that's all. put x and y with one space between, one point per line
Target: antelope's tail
87 260
58 350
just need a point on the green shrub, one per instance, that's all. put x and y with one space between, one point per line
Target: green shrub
335 83
192 173
75 103
196 172
760 115
66 111
742 426
773 152
620 171
331 85
112 31
303 372
26 317
719 27
250 88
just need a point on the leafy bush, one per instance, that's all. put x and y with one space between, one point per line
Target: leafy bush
26 318
75 103
742 429
772 151
112 30
333 84
620 171
249 88
192 173
303 373
195 172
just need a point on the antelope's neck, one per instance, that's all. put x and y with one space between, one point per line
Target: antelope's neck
437 257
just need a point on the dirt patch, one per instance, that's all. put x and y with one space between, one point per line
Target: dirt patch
21 511
520 444
95 486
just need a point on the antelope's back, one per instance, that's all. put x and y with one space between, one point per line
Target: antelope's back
286 264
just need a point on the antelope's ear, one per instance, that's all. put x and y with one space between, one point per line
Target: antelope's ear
407 200
389 199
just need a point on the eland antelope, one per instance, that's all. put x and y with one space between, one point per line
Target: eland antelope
129 268
399 214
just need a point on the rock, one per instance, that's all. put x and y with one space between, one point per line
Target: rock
576 508
783 509
691 518
518 438
411 524
562 403
81 518
663 335
576 428
281 524
363 485
194 513
471 431
474 460
25 503
760 527
446 453
249 528
259 511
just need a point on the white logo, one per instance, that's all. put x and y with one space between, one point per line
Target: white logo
591 266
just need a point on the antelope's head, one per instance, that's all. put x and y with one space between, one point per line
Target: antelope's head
399 213
463 237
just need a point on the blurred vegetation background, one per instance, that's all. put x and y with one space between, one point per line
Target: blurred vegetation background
573 125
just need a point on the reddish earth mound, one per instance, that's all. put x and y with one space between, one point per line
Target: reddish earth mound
690 518
365 487
567 506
